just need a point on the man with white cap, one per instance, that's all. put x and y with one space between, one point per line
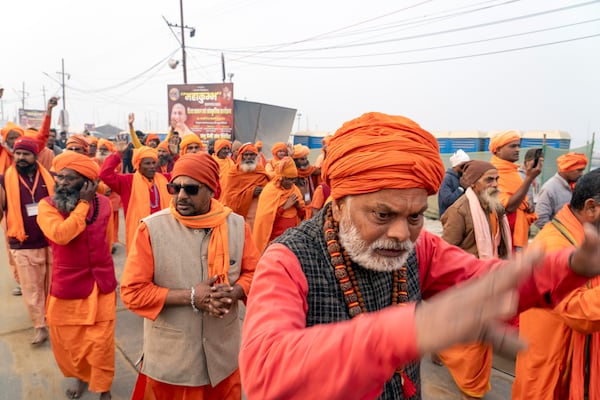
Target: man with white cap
451 190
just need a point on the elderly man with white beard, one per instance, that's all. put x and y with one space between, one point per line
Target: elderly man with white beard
336 304
241 186
476 223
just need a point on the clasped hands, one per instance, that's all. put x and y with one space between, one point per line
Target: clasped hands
216 300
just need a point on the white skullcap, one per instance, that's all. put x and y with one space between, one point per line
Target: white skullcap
459 157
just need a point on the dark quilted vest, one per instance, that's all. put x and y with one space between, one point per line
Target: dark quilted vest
325 300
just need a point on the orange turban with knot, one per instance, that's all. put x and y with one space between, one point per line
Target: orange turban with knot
143 152
11 127
164 145
79 140
286 168
80 163
189 139
246 148
258 143
301 151
571 162
219 144
378 151
152 136
199 166
277 147
108 144
502 139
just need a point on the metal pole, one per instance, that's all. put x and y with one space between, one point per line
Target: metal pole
63 85
183 62
23 97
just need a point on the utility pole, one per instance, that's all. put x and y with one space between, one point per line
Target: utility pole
63 120
44 93
183 27
183 63
23 93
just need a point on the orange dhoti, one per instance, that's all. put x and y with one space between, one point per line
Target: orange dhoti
147 388
470 365
82 334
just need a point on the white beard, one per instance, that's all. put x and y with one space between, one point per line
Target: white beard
248 167
490 201
364 255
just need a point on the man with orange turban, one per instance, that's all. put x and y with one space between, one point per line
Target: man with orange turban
335 304
188 268
520 212
280 205
10 133
93 147
79 144
562 359
243 184
81 307
308 175
221 156
279 150
142 193
261 157
25 183
191 144
557 190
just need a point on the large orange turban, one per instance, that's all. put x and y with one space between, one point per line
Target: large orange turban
108 144
11 127
219 144
246 148
378 151
80 163
502 139
150 137
301 151
79 140
143 152
164 145
571 162
187 140
286 168
277 147
199 166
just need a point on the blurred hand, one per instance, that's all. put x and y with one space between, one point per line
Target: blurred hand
586 259
290 201
131 118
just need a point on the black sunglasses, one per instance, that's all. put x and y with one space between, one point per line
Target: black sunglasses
174 188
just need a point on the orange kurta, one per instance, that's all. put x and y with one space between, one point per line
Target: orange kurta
542 370
81 330
271 198
237 188
225 165
508 183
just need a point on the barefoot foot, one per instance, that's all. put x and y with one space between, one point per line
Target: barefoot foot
76 391
105 396
41 335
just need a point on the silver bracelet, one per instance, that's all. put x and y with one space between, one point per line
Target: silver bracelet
192 295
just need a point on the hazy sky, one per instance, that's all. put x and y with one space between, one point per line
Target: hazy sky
449 65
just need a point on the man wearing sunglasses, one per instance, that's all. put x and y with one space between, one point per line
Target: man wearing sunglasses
188 267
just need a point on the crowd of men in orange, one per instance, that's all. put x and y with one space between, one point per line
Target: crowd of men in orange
61 221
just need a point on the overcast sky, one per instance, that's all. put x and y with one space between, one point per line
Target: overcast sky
449 65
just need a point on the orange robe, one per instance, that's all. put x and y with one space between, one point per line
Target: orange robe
542 371
237 188
224 165
140 294
508 183
82 331
271 198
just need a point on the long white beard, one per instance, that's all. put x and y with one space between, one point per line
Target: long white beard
248 167
490 201
364 255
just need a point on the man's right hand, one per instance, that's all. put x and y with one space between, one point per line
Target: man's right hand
131 118
291 201
203 290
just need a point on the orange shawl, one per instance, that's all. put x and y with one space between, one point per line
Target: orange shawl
509 183
237 188
218 245
271 198
139 202
14 218
6 159
224 165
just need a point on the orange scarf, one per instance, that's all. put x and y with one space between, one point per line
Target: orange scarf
218 245
508 184
237 188
6 159
139 202
224 165
14 219
271 198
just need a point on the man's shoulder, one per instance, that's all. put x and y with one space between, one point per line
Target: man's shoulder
164 213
